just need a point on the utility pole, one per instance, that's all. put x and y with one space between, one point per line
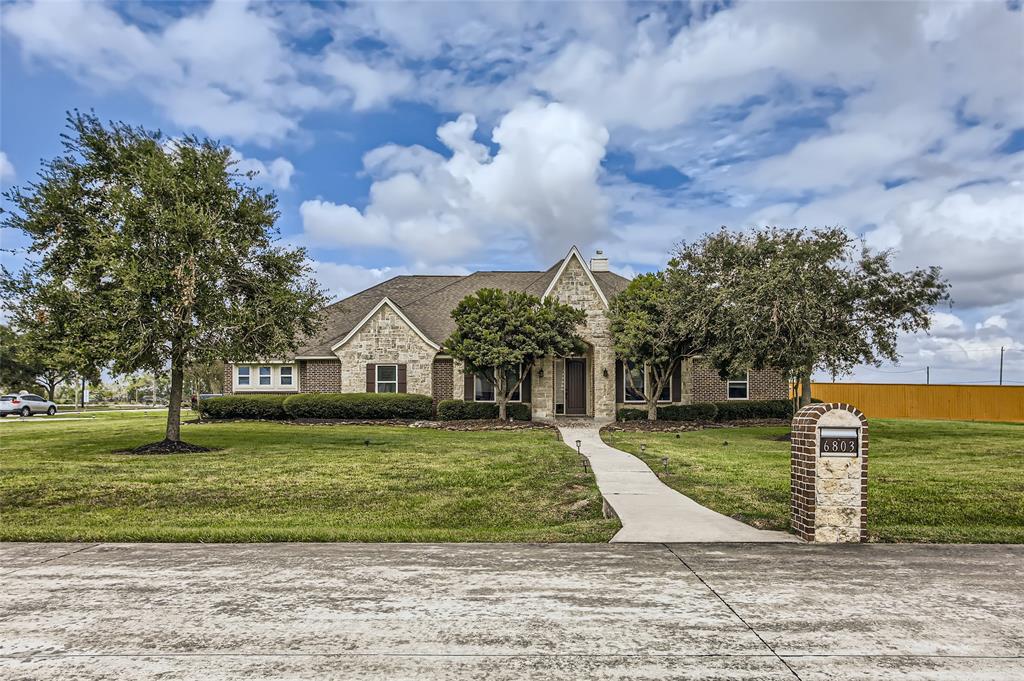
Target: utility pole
1002 350
927 375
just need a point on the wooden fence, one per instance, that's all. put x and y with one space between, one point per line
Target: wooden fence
916 401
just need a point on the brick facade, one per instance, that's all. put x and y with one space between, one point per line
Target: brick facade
320 376
705 385
444 379
828 496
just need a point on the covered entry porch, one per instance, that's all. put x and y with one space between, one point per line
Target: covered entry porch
568 386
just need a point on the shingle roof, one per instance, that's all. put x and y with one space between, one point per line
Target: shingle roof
427 300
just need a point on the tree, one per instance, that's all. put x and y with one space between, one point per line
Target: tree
31 360
657 327
501 334
15 372
155 254
802 301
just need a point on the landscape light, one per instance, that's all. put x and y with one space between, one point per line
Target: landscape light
578 445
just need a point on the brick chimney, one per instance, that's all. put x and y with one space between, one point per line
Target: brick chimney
599 263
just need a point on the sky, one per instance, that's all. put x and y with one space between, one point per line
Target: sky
450 137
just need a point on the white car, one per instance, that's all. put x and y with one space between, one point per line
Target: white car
26 404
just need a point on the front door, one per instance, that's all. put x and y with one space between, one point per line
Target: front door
576 387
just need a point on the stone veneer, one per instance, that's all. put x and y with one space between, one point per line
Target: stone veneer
386 339
575 288
828 495
705 385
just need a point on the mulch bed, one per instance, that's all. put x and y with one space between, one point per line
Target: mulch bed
687 426
166 447
472 425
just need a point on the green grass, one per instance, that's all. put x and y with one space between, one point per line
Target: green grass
928 481
281 482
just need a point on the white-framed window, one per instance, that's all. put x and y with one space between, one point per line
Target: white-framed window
243 375
636 394
266 376
483 388
387 378
737 387
285 377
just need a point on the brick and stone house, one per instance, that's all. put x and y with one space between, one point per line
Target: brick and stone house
388 338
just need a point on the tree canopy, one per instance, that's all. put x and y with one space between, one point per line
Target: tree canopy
148 253
656 327
805 300
501 334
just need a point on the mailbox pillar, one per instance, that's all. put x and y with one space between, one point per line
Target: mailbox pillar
829 473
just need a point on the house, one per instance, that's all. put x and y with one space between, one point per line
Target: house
388 338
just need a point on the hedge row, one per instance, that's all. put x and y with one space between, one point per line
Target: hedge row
458 410
319 406
715 411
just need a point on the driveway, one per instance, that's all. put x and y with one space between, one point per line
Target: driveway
650 510
493 611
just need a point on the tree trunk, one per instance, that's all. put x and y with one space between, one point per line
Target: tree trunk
805 388
652 408
174 404
502 407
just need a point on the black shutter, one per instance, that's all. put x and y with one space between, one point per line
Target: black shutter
620 386
401 378
526 389
470 389
677 382
371 378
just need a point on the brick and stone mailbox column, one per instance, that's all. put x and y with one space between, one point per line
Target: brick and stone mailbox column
829 473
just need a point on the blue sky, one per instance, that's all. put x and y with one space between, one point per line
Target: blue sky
434 137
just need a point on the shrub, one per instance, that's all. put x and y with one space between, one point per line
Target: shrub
754 409
243 407
458 410
704 411
359 406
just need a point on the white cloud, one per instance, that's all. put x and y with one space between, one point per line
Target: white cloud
6 168
540 187
277 173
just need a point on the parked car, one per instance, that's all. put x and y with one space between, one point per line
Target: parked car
26 404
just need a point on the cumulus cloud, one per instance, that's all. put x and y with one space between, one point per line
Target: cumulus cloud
6 168
277 173
540 188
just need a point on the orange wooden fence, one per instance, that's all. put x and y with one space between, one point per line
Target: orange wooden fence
916 401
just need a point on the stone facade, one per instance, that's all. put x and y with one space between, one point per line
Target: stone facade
320 376
828 494
705 385
386 339
574 288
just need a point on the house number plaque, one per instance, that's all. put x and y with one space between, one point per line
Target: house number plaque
839 442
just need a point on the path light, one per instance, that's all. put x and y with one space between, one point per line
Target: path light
664 462
366 442
579 443
643 448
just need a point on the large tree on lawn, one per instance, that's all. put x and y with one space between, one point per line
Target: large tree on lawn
657 327
501 334
807 300
154 254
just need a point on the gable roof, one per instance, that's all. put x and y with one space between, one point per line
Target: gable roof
369 315
575 253
426 301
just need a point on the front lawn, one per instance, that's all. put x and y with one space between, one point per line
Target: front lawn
60 481
928 481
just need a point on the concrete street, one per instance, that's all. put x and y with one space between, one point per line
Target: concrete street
486 611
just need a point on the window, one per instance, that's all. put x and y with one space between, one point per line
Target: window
387 378
265 376
640 382
286 375
243 375
737 386
483 389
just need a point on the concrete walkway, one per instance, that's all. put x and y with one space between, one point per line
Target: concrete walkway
650 510
507 612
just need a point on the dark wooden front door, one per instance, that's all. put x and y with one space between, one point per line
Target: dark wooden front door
576 387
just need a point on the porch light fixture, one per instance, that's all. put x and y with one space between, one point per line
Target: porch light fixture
604 372
540 372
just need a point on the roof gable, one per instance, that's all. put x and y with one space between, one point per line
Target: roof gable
384 301
575 253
